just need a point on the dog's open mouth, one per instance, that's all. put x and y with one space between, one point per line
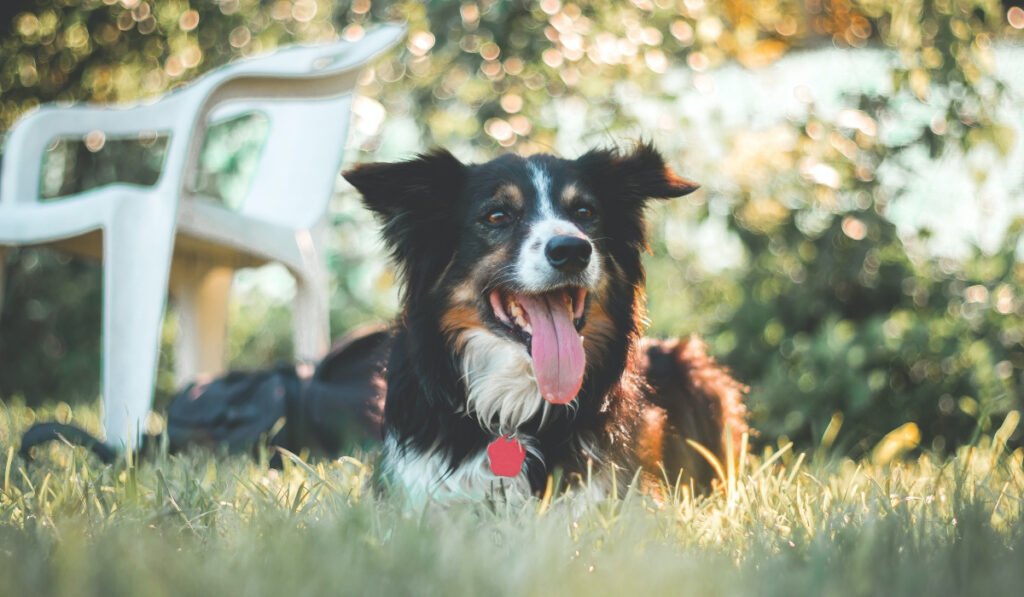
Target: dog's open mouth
548 324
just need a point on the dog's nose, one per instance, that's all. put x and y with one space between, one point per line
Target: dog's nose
569 254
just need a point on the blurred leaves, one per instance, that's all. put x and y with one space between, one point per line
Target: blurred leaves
49 331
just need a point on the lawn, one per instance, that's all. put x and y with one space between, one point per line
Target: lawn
782 523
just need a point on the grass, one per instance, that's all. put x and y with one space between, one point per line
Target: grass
782 524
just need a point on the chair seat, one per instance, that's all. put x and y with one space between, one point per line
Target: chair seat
227 238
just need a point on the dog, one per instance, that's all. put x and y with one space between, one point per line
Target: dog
518 351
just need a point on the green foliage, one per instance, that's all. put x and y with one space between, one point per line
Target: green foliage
835 314
57 348
828 323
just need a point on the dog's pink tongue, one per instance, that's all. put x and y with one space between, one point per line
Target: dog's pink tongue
558 359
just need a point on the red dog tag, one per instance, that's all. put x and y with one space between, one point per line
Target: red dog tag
506 456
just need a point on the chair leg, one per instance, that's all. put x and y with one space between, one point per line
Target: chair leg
137 256
310 317
200 294
310 311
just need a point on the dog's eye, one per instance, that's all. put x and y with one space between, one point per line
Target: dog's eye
498 217
583 212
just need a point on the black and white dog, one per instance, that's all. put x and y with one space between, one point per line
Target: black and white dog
518 350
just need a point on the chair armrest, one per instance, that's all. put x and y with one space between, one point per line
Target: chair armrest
27 223
30 136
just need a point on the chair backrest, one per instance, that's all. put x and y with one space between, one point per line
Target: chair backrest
321 59
299 159
306 95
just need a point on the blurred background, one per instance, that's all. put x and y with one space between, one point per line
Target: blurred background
852 255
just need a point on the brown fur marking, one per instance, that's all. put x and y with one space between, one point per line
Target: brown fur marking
511 193
597 333
458 320
650 439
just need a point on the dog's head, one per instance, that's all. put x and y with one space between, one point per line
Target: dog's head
540 252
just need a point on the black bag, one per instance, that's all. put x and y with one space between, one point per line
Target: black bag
231 412
339 407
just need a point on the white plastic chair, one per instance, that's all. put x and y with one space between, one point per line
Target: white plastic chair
305 94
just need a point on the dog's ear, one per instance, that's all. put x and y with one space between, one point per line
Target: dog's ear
624 182
429 182
414 200
635 176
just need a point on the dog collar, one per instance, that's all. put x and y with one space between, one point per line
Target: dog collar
506 456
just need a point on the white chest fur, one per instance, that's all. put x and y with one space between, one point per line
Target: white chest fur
501 389
424 476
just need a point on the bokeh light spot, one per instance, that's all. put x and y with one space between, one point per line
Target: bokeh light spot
499 129
239 36
304 10
353 33
1015 16
189 20
490 51
511 102
552 57
95 140
854 228
361 7
550 6
420 42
